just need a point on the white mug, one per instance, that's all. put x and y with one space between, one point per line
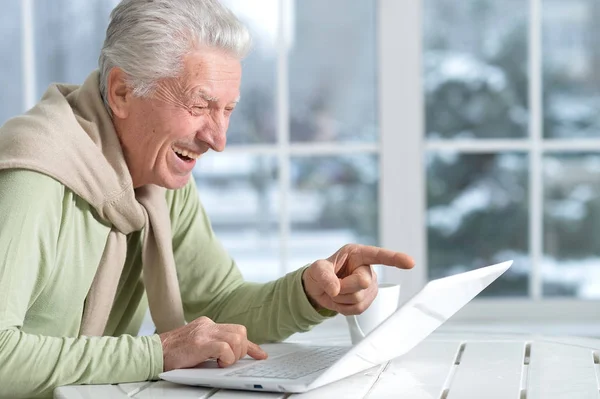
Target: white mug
385 303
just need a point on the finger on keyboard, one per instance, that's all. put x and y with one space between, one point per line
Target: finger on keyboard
256 351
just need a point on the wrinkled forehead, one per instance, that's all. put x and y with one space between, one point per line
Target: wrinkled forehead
211 75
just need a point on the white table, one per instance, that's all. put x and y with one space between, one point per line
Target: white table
444 366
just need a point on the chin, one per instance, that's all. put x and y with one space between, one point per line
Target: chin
174 182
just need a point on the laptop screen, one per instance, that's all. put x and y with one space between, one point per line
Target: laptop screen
425 312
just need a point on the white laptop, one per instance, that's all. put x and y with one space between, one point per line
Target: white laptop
299 368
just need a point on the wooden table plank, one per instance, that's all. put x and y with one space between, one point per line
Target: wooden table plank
420 374
165 389
490 370
559 371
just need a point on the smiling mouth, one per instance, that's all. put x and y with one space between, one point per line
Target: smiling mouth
185 155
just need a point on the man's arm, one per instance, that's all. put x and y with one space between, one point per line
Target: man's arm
211 284
31 216
33 365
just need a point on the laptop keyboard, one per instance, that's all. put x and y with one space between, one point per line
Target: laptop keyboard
294 365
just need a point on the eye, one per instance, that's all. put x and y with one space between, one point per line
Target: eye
198 109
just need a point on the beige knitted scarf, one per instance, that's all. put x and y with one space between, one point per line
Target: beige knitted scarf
69 136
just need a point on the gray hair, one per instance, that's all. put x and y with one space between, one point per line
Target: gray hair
148 39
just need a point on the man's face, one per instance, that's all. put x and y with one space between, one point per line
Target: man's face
164 134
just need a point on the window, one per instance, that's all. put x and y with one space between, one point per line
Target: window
507 137
475 79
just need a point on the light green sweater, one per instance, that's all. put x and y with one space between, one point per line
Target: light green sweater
50 246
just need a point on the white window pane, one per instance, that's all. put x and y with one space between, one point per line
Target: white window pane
241 197
68 38
255 119
475 68
11 76
334 201
571 50
477 215
333 71
571 220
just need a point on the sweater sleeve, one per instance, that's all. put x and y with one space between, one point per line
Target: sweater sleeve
212 285
32 365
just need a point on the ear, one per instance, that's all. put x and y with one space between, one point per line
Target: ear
119 93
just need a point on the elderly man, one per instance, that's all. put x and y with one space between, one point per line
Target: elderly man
99 212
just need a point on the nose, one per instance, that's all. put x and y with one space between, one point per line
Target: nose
215 132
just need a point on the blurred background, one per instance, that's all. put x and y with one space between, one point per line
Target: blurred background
507 153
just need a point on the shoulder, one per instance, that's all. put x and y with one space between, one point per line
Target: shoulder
21 185
30 203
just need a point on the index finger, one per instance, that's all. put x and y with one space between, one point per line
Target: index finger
256 351
371 255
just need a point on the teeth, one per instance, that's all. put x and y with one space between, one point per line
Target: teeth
186 153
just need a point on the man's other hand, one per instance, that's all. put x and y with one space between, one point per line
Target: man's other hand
203 339
346 282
